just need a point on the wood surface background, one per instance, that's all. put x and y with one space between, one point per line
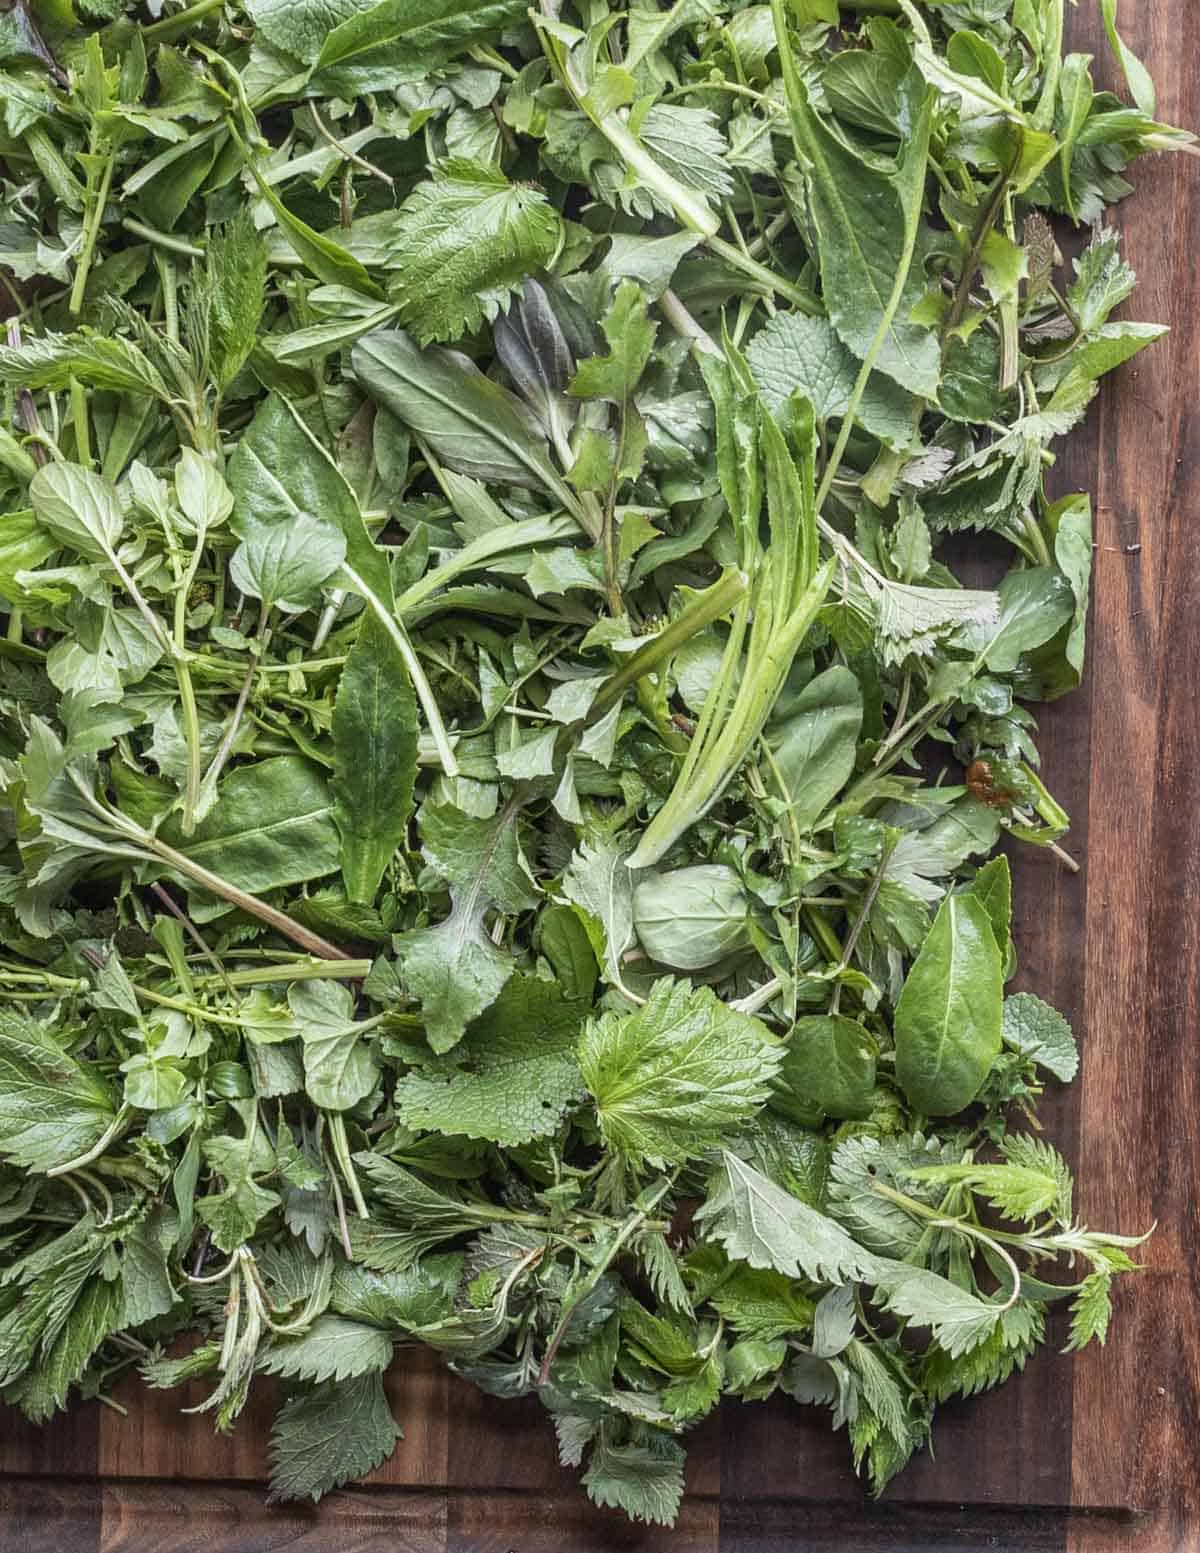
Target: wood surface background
1100 1454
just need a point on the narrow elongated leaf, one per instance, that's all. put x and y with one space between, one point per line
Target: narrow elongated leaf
375 758
867 226
430 31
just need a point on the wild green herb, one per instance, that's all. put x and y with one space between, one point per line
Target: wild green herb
501 781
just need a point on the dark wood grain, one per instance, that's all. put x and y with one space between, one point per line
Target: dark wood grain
1099 1454
1135 1405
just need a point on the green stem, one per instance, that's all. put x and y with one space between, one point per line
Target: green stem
629 1228
984 223
113 1131
823 932
43 979
279 920
170 294
171 26
798 296
341 1151
212 775
91 232
1032 531
139 603
162 239
79 420
187 692
860 922
192 1010
298 970
714 603
691 209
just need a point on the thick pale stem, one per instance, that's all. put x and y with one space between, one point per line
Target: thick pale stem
279 920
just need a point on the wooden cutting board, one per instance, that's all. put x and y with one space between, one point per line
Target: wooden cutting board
1098 1453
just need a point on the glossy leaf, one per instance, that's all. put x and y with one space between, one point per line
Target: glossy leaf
947 1025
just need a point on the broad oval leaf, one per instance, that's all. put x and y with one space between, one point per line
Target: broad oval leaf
947 1024
286 563
830 1063
79 508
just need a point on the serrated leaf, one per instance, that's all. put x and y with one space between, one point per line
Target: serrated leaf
761 1302
333 1348
514 1072
793 353
1091 1310
1040 1032
915 620
987 1364
644 1480
102 361
759 1223
959 1320
671 1078
52 1108
872 1218
464 241
1016 1190
330 1435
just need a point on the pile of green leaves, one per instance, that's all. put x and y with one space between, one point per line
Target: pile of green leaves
501 787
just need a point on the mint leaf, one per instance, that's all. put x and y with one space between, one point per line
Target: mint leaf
1040 1032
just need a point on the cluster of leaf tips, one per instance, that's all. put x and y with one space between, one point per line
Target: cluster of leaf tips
499 783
